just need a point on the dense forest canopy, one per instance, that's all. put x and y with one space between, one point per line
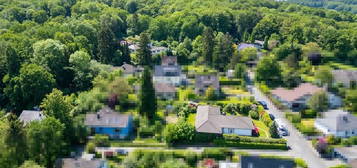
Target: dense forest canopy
339 5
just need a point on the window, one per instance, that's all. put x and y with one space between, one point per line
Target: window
117 130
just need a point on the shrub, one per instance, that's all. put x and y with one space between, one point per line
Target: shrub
332 140
301 163
293 117
265 118
249 145
254 114
216 153
236 138
273 130
101 140
90 147
181 132
230 109
308 113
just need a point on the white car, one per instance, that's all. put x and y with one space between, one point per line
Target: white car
283 131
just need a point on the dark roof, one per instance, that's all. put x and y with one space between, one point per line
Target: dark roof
164 70
169 60
203 80
210 120
27 116
79 163
261 162
107 117
164 88
345 76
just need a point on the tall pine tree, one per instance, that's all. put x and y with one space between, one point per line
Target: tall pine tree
144 52
147 95
125 53
223 51
208 45
106 44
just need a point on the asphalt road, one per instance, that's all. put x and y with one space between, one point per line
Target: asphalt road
300 147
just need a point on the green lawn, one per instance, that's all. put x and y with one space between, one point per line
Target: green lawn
263 129
342 66
147 142
230 90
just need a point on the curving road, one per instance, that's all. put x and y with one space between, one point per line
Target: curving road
300 147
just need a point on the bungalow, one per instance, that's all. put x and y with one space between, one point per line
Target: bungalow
298 97
109 122
80 163
28 116
129 69
203 81
169 74
165 91
338 123
346 154
210 120
348 78
264 162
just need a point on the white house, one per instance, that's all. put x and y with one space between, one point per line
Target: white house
338 123
28 116
210 120
169 74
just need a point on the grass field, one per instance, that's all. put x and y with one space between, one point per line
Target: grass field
263 129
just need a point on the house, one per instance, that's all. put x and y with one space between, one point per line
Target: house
169 74
203 81
225 164
338 123
346 154
28 116
243 46
353 163
210 120
264 162
80 163
154 49
298 97
109 122
165 91
169 60
348 78
129 69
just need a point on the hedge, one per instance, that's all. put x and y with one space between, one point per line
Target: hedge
230 82
131 144
249 145
230 137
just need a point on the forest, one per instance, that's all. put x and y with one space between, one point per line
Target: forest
339 5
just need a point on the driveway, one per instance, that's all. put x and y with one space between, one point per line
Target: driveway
300 147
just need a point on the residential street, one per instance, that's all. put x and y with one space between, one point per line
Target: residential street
300 147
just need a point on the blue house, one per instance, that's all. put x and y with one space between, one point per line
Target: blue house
111 123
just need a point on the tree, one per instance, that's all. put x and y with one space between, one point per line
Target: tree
12 60
28 88
324 76
273 130
80 62
223 51
58 106
351 100
268 70
50 54
15 141
125 54
210 93
179 133
106 44
45 140
319 102
266 43
120 89
131 6
208 45
144 52
312 51
30 164
248 54
147 95
240 71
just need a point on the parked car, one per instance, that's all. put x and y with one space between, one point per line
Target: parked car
272 117
264 104
283 131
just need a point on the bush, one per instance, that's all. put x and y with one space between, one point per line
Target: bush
182 132
301 163
225 81
293 117
236 138
332 140
216 153
308 113
254 114
101 140
265 118
90 147
249 145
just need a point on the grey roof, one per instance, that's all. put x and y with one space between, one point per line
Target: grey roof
164 88
338 120
167 70
79 163
210 120
107 117
128 69
349 153
353 163
205 80
169 60
263 162
345 76
27 116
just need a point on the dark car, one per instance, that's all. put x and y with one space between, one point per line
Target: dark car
272 117
264 104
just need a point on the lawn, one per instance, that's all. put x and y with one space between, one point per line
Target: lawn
263 129
146 142
233 91
308 122
233 100
342 66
